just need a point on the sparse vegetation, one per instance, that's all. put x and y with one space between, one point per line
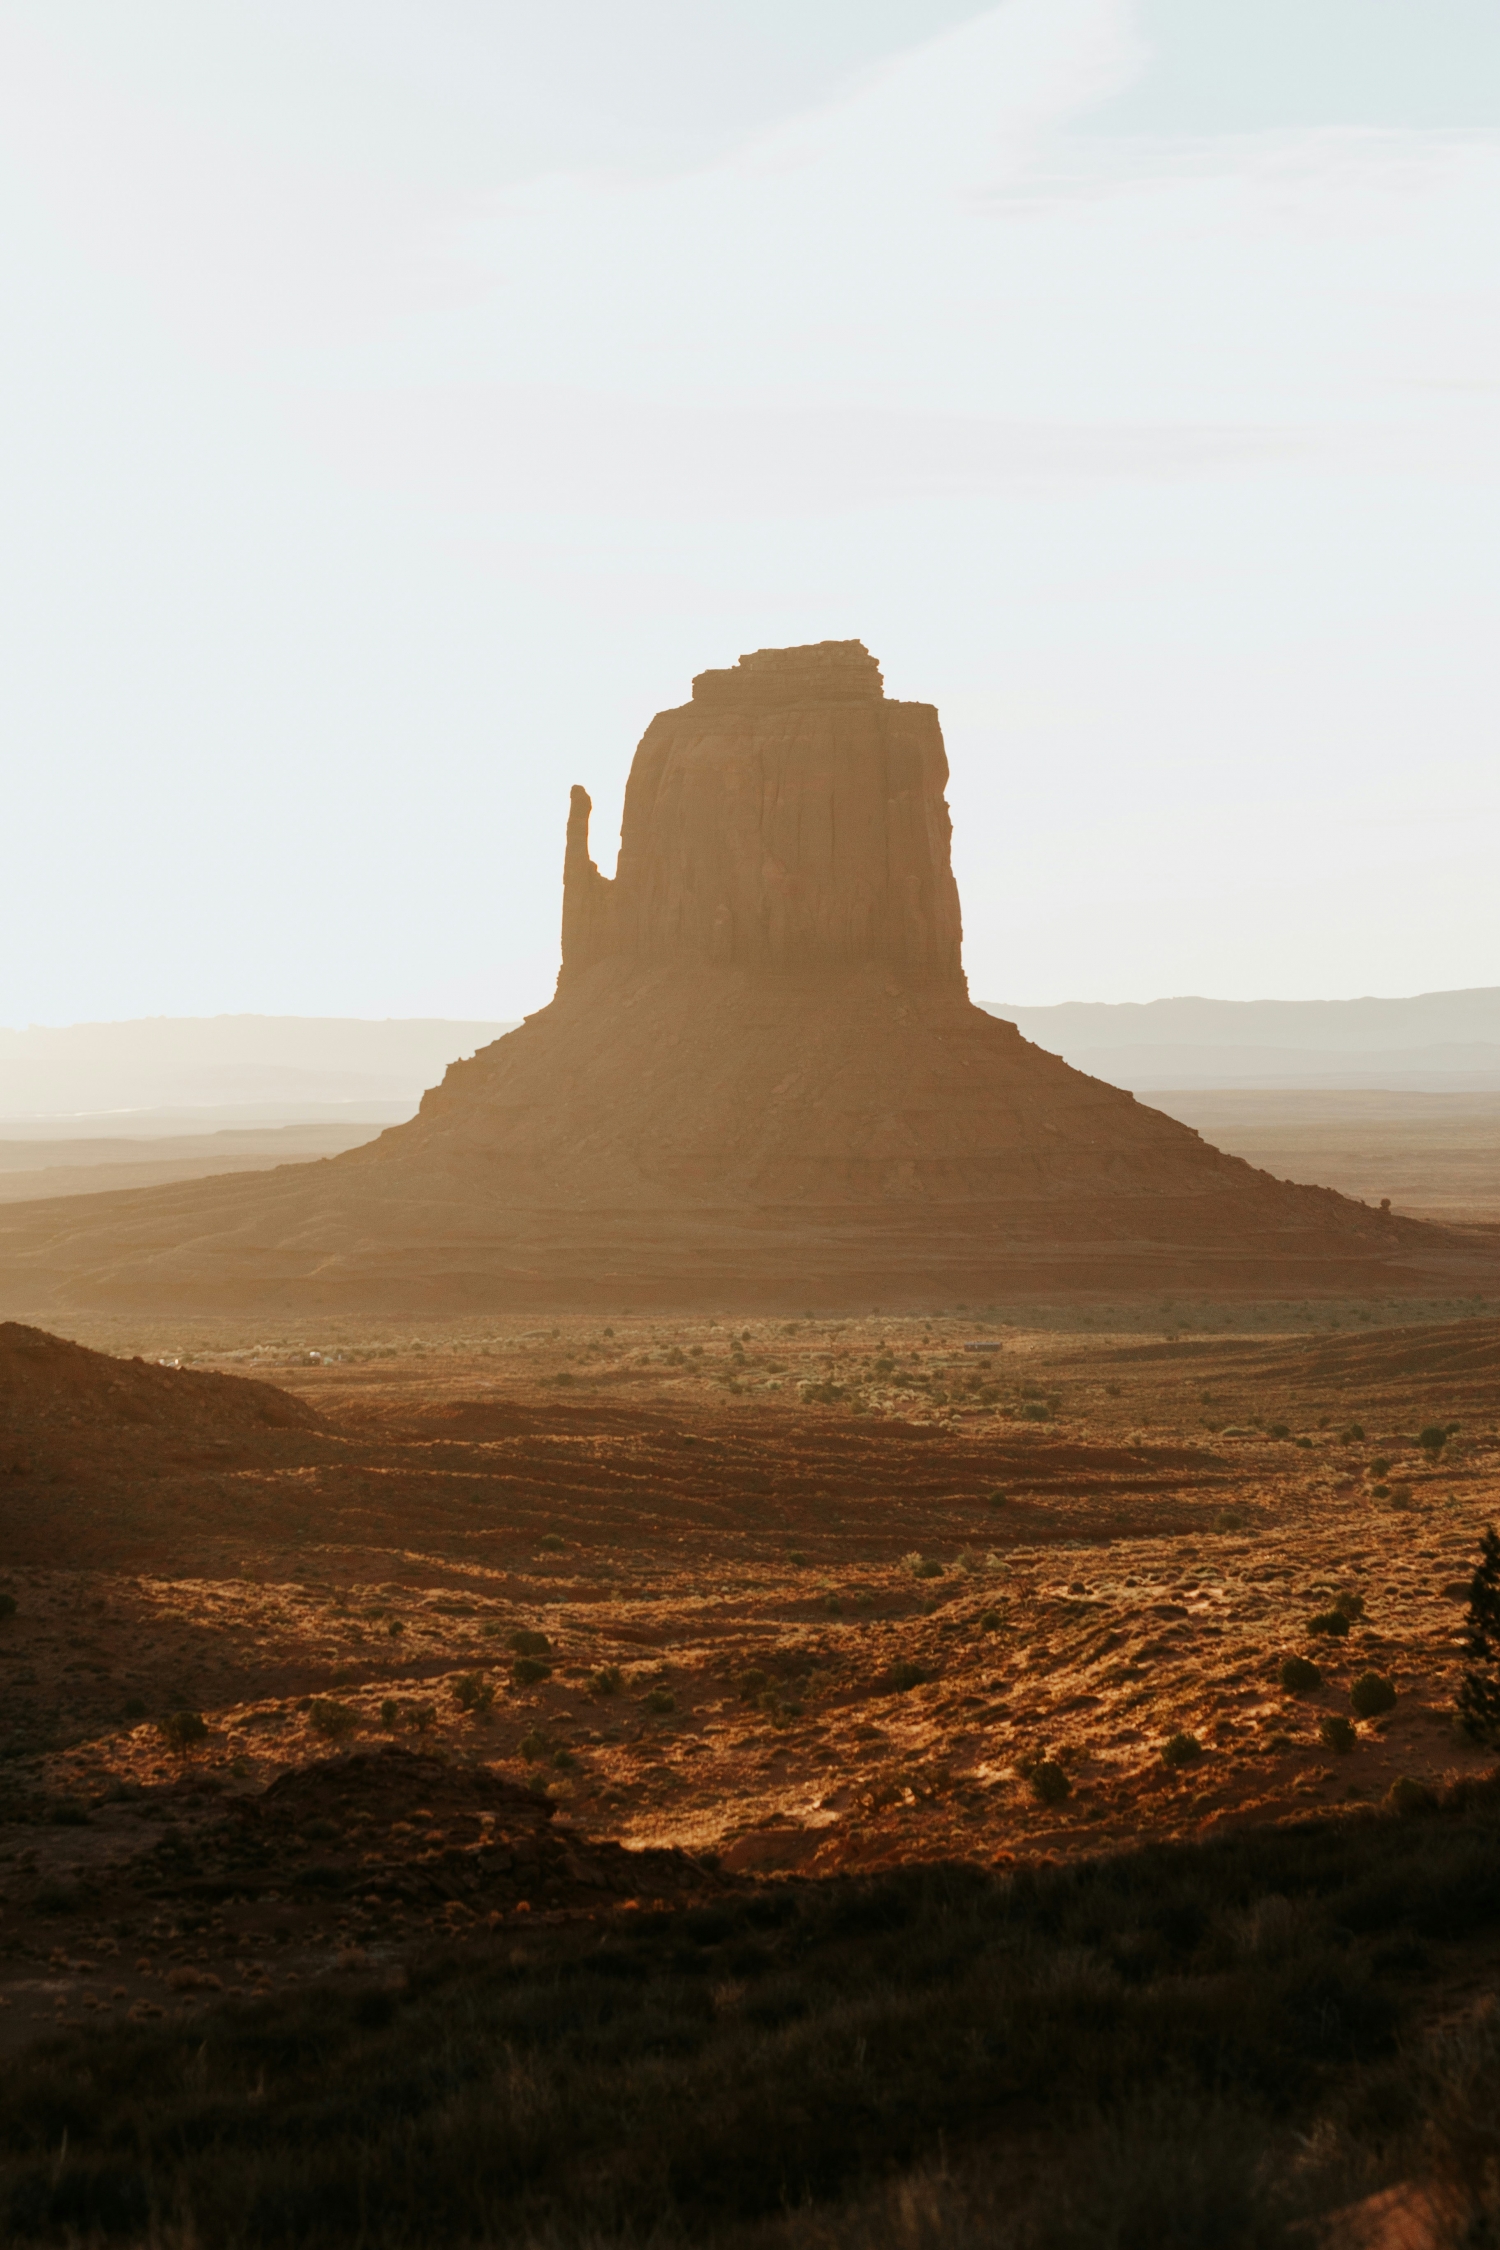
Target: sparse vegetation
474 1694
1479 1692
335 1721
1371 1695
1181 1750
1299 1675
1335 1733
1048 1781
182 1730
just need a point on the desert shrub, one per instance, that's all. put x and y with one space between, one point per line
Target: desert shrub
67 1812
1479 1690
751 1683
796 1558
533 1746
902 1676
422 1715
335 1720
1331 1621
1408 1796
989 1621
390 1713
1279 1429
474 1694
1181 1750
1380 1467
180 1730
135 1707
564 1759
1352 1433
1299 1675
1371 1694
1180 2073
998 1499
7 1605
659 1699
527 1671
1229 1520
1034 1410
1350 1605
395 1627
527 1643
608 1680
1336 1734
1048 1782
1433 1438
553 1543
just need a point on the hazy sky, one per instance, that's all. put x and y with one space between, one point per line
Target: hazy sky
404 398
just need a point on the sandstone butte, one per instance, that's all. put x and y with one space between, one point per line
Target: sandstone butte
761 1084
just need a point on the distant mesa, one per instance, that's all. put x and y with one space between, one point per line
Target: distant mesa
761 1083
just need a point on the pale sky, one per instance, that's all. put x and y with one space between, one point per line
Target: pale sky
404 398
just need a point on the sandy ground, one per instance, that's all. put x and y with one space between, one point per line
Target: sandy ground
1437 1156
814 1595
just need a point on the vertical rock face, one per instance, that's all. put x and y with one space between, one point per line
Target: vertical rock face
789 818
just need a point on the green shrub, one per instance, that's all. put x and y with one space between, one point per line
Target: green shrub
533 1746
390 1713
1380 1467
526 1643
1229 1520
998 1499
474 1694
751 1683
989 1621
135 1707
1181 1750
1433 1438
1299 1675
180 1730
1371 1694
608 1680
7 1605
552 1542
1049 1784
902 1676
1408 1796
564 1759
527 1671
1280 1429
1331 1621
1336 1734
1350 1605
1352 1434
1479 1691
659 1699
335 1720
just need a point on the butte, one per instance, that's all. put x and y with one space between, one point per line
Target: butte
761 1084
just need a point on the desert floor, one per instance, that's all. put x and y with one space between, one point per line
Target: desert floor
815 1595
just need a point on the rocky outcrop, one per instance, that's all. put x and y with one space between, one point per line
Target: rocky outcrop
761 1083
789 818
